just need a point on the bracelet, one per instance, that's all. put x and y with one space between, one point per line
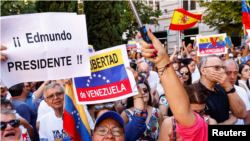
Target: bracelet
167 66
139 97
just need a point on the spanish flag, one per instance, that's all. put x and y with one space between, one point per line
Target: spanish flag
182 19
75 121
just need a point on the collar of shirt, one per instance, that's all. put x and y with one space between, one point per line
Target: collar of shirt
209 91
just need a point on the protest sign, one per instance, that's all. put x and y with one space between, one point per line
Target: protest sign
214 44
228 41
109 80
44 48
195 41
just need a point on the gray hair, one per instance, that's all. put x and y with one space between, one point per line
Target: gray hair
203 61
6 111
52 85
230 62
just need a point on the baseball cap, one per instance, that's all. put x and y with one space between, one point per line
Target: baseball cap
110 114
243 60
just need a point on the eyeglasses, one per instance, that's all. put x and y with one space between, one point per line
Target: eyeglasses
180 76
145 90
108 105
52 96
202 112
104 130
217 68
184 73
232 72
13 123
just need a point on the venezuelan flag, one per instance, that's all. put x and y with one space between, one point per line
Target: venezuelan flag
108 78
90 48
213 44
131 45
75 121
182 19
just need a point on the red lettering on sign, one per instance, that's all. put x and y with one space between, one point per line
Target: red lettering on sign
214 41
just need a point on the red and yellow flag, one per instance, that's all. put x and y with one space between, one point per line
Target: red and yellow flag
182 19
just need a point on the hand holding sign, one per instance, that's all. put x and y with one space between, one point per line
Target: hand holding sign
3 56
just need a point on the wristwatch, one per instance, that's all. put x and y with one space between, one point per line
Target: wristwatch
231 91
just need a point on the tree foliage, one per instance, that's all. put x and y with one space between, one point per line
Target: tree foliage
56 6
223 15
129 23
103 23
17 7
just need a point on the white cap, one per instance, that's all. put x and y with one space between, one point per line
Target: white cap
231 55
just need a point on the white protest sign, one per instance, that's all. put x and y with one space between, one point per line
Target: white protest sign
109 80
55 48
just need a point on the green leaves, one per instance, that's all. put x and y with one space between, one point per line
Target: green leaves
223 15
17 7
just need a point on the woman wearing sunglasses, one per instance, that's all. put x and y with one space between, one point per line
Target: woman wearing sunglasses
154 118
190 125
185 72
198 99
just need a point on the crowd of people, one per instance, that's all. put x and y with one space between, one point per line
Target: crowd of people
179 95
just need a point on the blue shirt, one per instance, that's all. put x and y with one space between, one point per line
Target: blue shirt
24 110
33 102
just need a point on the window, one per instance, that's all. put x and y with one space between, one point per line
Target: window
155 4
188 33
189 4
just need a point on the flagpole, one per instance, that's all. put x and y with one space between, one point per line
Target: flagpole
166 40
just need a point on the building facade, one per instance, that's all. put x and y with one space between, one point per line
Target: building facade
176 37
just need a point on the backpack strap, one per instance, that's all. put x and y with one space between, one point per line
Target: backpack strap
174 131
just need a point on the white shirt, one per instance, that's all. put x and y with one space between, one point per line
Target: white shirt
245 85
153 79
44 108
243 95
159 88
51 127
196 75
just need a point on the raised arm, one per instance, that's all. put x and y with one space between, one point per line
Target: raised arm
39 93
246 49
197 57
174 91
227 55
172 56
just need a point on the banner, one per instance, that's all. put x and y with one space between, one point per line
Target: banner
41 48
214 44
109 80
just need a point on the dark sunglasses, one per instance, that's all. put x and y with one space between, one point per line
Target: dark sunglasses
202 112
184 73
109 105
13 123
146 91
139 72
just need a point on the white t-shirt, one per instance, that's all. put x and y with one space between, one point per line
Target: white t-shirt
159 88
153 79
44 108
243 95
51 127
196 75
